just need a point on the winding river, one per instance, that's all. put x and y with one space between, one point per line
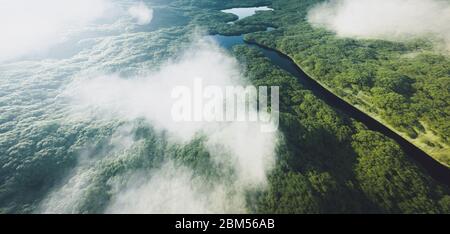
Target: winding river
436 170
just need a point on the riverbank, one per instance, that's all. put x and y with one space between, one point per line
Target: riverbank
435 168
435 155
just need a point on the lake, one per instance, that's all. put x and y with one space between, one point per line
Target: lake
247 11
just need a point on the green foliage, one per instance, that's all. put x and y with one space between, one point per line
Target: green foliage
328 163
413 79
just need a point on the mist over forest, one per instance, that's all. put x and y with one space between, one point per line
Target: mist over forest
85 107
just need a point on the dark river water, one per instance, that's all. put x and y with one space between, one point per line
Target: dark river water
436 170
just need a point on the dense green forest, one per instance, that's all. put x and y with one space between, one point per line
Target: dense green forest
330 163
411 94
326 162
406 85
403 84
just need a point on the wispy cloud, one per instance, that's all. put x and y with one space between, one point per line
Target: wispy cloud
141 13
239 146
32 26
385 19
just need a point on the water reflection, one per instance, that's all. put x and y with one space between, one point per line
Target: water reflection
246 11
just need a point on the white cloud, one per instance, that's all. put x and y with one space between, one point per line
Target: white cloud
141 13
74 189
385 19
172 188
102 100
31 94
150 96
29 26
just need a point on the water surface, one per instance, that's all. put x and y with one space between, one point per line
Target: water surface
436 170
246 11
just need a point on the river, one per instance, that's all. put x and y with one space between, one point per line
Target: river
435 169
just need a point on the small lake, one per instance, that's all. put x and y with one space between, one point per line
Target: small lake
436 170
246 11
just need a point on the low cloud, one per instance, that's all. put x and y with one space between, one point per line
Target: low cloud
100 114
33 26
149 96
141 13
239 148
172 189
396 20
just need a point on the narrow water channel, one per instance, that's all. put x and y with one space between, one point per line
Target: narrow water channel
436 170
